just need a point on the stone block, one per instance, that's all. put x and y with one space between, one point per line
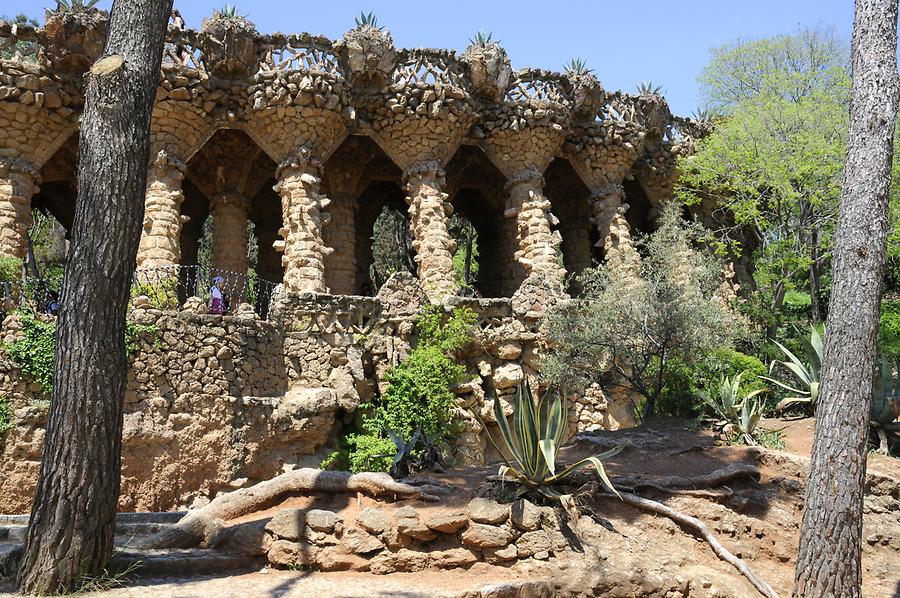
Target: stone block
485 510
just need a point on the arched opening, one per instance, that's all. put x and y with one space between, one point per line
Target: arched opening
383 238
232 217
368 227
569 201
477 194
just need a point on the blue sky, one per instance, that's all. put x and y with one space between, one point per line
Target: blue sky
666 41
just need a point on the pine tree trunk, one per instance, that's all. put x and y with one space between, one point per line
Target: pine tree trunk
828 563
73 513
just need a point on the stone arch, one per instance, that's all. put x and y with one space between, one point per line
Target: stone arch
360 179
477 191
570 204
377 198
58 190
180 128
231 177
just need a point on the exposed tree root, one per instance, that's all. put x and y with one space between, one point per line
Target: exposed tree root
700 528
197 525
719 477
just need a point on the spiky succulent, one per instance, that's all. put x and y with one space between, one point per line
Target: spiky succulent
228 11
648 88
705 114
75 6
741 412
577 66
806 373
367 20
533 441
482 38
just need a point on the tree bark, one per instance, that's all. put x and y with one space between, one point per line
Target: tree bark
73 514
814 277
828 562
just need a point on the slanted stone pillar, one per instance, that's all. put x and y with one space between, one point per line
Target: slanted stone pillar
429 211
614 232
229 210
18 183
538 244
160 245
303 211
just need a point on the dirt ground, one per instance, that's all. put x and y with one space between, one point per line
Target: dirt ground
622 551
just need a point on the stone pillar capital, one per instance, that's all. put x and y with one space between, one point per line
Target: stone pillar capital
528 176
164 164
426 169
608 193
19 166
226 199
302 163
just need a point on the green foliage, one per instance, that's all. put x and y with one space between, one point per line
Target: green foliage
75 6
133 332
465 259
740 411
26 50
163 294
228 11
805 373
648 88
889 329
482 38
367 20
706 114
417 400
576 66
391 246
10 269
533 441
34 350
5 417
775 163
640 325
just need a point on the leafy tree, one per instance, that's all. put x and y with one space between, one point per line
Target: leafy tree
391 246
465 260
775 160
641 326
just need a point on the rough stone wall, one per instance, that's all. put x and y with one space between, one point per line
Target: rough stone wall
340 235
17 184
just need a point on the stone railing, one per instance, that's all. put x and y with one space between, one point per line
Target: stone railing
19 42
428 67
539 89
304 53
182 50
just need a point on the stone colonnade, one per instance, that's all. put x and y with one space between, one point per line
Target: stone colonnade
159 246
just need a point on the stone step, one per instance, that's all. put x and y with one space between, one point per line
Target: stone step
183 562
125 532
137 517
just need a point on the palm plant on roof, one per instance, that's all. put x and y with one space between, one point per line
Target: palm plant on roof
75 6
482 38
648 88
576 66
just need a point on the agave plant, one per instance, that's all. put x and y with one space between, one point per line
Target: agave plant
75 6
705 114
647 88
367 20
534 440
576 66
228 11
806 373
741 412
482 38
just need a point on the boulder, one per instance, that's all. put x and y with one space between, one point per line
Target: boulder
507 375
322 521
525 515
485 510
374 520
408 524
449 523
486 536
287 524
285 552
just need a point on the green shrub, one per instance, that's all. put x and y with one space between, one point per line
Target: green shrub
889 329
5 416
34 350
134 331
10 269
418 393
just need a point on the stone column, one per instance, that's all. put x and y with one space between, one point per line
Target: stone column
538 244
229 210
303 211
160 245
429 212
615 234
18 183
340 235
